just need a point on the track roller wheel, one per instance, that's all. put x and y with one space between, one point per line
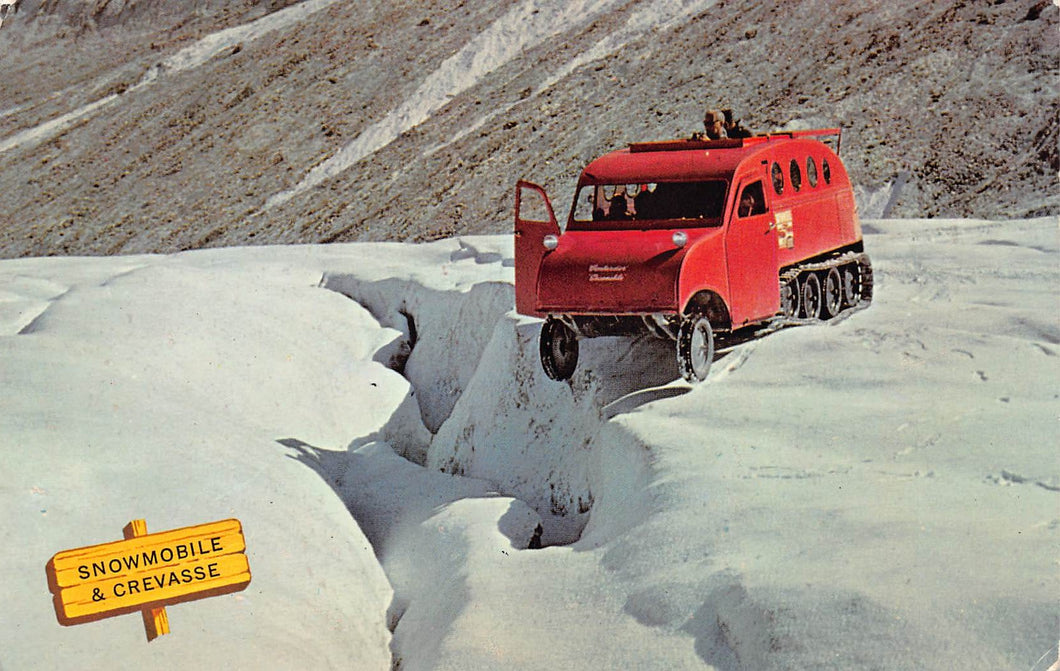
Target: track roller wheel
811 297
789 298
695 347
559 349
851 281
833 294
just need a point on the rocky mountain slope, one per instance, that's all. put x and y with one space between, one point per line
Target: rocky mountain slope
156 126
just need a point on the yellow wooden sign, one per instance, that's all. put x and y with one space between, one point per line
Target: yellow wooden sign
148 572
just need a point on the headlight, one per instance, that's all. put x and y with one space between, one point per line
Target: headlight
551 242
680 239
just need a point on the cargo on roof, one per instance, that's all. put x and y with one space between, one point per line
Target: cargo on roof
684 159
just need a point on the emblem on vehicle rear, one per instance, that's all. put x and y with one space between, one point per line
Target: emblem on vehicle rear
602 273
785 230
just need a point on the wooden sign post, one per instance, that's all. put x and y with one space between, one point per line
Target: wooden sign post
146 572
156 621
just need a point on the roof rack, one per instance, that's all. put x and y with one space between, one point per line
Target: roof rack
817 132
731 143
680 145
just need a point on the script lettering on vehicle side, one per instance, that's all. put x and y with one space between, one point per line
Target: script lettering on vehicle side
605 273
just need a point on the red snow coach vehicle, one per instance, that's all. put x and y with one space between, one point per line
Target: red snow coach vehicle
686 239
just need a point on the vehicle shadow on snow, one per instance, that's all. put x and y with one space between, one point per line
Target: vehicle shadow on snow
628 372
636 399
632 372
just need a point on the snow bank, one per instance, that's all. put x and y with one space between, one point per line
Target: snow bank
446 311
468 591
167 389
535 438
878 491
826 482
430 530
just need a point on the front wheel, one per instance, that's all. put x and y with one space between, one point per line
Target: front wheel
695 347
559 349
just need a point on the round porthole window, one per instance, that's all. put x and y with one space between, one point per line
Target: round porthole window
826 172
811 171
778 178
796 174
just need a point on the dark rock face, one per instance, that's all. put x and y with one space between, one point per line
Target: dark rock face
168 142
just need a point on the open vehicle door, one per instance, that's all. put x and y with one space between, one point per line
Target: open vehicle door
534 220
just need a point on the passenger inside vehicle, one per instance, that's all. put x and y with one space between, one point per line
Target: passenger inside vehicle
644 204
619 208
652 202
752 201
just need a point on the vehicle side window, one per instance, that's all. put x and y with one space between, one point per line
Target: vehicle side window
811 171
778 179
533 206
796 174
752 200
826 171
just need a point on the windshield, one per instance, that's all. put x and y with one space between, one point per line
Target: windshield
649 205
